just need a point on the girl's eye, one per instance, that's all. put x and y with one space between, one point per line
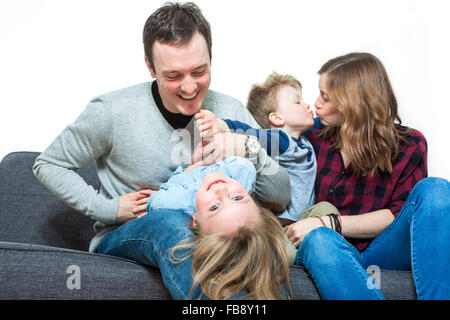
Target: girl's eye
214 208
238 198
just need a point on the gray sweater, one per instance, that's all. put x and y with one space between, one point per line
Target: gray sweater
134 148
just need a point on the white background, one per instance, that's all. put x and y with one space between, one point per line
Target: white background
57 55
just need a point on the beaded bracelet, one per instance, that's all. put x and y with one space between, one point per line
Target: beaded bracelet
337 223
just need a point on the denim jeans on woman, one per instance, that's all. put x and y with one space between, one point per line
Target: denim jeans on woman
417 240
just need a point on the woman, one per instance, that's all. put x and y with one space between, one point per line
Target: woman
369 167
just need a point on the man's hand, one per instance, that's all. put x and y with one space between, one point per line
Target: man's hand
221 146
133 205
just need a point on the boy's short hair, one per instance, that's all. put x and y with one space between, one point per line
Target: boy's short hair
262 99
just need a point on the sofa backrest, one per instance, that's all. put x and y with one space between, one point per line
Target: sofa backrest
30 213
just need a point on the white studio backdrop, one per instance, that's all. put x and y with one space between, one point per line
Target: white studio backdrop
56 55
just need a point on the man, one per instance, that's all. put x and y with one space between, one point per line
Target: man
132 135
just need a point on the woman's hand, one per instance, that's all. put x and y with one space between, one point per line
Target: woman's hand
297 231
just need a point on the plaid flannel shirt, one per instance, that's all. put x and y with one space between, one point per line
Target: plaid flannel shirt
354 195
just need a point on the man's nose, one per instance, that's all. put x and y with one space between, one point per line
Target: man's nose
189 86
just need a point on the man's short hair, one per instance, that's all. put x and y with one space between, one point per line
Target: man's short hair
175 24
262 99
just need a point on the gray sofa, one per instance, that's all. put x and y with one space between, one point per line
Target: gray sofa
41 238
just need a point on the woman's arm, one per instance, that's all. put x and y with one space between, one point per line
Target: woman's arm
367 225
362 226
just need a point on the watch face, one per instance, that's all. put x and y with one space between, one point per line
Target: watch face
253 145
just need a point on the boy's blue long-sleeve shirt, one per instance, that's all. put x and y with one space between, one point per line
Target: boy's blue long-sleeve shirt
179 192
296 156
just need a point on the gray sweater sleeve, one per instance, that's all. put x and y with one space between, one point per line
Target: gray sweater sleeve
273 186
77 146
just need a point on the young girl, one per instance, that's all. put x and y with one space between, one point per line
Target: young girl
237 245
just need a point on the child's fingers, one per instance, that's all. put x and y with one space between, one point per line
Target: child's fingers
194 166
205 126
207 134
201 114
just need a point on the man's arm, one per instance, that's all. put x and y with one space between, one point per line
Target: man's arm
81 143
273 187
76 147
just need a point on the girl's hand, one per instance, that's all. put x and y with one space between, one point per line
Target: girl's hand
207 124
194 166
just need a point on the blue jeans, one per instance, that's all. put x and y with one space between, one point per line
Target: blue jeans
417 240
148 240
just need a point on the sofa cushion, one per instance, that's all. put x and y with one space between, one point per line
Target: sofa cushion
42 272
30 213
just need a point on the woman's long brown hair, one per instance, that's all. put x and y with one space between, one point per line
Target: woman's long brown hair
359 88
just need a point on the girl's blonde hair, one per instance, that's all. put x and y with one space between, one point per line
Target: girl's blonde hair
359 88
253 260
262 99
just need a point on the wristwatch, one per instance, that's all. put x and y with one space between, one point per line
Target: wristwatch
252 148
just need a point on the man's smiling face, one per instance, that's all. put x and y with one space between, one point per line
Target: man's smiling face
183 74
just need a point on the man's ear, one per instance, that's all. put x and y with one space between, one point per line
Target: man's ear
194 219
276 119
149 66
